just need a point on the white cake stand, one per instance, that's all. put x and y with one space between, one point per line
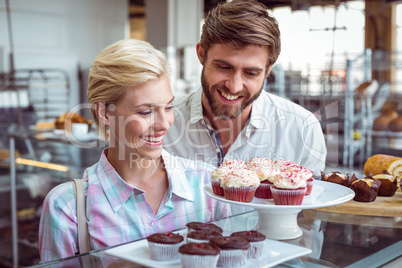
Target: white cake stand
279 222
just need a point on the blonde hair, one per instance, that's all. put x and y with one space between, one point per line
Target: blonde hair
119 67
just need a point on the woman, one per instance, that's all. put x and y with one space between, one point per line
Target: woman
136 188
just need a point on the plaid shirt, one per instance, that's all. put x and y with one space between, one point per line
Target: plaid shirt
118 212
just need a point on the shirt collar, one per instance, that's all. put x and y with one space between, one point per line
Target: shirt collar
258 117
178 182
117 191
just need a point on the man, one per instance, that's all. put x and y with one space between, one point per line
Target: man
230 117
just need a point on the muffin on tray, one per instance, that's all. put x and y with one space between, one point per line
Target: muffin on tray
256 239
164 246
233 250
366 190
202 236
195 226
203 255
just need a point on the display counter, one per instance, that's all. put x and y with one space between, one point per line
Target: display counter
335 240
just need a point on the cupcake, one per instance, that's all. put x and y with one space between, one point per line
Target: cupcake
196 226
310 183
202 236
289 189
234 164
256 240
164 246
240 185
216 177
204 255
233 250
266 174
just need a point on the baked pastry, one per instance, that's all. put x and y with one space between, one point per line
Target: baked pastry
337 177
165 246
233 250
202 236
196 226
257 242
366 190
65 121
240 185
204 255
382 122
380 162
388 184
396 124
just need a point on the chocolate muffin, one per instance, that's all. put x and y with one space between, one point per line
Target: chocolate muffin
233 250
164 246
256 239
337 177
388 183
194 226
199 255
366 190
202 236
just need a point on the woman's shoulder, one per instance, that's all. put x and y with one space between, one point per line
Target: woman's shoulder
61 194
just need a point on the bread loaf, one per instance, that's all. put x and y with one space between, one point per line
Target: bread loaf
380 162
382 122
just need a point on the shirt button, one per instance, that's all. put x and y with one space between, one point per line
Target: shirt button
151 223
218 150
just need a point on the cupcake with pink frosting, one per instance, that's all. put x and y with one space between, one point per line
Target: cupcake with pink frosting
240 185
217 174
266 172
291 186
216 177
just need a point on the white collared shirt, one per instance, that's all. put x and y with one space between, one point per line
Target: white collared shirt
278 129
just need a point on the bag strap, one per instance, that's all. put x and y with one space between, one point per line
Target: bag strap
83 235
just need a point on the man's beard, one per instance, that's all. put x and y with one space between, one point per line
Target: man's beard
221 110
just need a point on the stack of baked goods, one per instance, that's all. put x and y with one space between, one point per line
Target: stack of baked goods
382 175
389 119
284 181
214 250
65 121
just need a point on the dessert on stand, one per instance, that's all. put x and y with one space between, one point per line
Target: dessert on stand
279 222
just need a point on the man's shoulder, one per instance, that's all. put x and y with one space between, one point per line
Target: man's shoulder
185 99
282 105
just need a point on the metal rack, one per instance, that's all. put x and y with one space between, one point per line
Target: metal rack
330 92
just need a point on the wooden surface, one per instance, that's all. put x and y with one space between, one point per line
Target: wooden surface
382 206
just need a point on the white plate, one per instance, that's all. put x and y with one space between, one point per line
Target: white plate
324 194
274 253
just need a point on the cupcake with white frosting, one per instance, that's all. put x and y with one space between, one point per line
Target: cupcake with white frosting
289 190
267 174
240 185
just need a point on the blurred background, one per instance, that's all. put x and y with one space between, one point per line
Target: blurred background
340 59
